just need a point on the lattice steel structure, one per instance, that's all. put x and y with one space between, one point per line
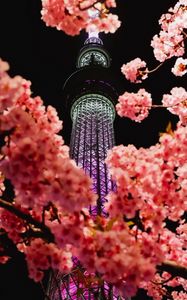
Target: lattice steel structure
92 135
91 98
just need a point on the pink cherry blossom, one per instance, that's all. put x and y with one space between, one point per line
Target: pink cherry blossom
11 89
149 174
125 249
40 256
37 155
180 67
4 66
70 229
13 225
135 70
135 106
154 290
170 41
179 295
176 102
107 24
110 3
72 16
116 255
4 259
167 45
147 183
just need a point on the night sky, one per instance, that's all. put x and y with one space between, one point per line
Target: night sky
46 57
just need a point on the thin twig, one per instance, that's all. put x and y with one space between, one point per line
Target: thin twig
156 68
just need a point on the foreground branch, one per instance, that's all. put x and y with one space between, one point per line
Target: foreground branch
28 218
168 266
173 268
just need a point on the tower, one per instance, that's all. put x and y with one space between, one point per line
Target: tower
91 97
92 114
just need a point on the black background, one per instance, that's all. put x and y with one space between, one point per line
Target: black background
46 57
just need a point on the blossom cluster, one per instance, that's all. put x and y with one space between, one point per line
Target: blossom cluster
41 256
37 155
51 192
170 41
157 288
115 254
13 225
151 183
150 180
135 106
176 103
45 174
180 67
70 228
135 70
72 16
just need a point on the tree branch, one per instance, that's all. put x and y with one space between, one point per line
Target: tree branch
173 268
28 218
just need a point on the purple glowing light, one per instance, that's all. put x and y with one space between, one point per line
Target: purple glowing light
74 289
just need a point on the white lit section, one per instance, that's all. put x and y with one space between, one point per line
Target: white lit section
92 31
93 34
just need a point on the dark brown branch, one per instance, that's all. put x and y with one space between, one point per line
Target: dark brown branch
36 233
173 268
28 218
168 266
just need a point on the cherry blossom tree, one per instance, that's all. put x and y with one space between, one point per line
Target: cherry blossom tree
44 195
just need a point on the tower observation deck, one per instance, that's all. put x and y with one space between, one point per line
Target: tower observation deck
91 99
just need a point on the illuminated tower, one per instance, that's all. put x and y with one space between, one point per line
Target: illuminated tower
91 99
92 114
